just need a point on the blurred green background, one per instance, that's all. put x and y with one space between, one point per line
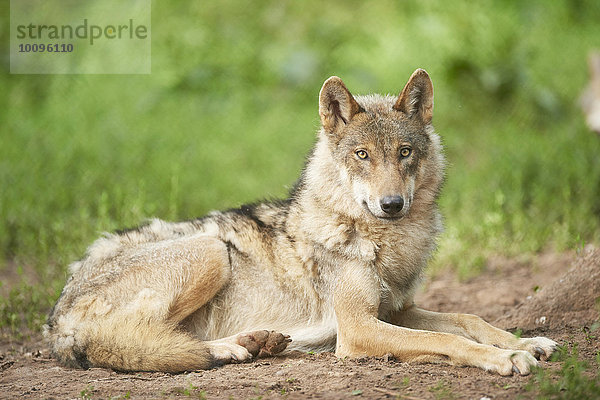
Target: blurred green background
230 110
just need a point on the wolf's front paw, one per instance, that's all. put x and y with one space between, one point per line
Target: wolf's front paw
515 361
540 347
264 343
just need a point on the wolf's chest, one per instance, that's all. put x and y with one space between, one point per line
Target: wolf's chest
400 271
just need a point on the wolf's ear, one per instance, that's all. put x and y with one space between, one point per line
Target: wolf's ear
416 99
337 106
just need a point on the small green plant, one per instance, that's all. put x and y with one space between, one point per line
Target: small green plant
518 333
357 392
191 391
442 390
86 393
573 381
578 243
588 332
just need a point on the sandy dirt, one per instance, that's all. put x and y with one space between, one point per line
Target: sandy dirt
554 295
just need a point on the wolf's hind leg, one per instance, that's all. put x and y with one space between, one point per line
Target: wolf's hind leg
245 346
143 333
263 343
197 283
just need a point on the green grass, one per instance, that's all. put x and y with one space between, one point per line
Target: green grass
21 310
190 391
575 380
442 391
87 393
230 111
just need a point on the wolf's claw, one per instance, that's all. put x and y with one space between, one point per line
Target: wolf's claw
539 352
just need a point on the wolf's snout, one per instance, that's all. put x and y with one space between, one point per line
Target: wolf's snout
392 205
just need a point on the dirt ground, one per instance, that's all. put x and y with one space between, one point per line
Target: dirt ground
554 295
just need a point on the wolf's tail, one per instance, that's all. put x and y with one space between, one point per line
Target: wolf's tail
129 346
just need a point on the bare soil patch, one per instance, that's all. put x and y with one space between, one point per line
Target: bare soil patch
554 295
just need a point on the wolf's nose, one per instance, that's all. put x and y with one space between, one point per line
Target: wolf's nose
391 204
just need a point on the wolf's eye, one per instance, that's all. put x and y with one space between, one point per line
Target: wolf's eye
362 154
405 152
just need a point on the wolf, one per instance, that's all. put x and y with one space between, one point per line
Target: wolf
334 267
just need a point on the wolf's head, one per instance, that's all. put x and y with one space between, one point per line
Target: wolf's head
383 147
